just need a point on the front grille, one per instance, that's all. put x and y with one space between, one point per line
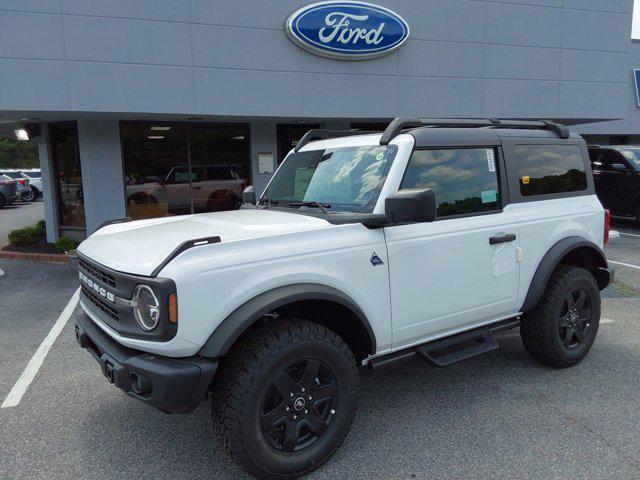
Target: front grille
98 273
100 303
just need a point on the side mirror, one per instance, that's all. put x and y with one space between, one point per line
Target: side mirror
409 206
249 195
619 167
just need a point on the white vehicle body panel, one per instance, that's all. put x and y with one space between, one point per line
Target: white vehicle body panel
436 279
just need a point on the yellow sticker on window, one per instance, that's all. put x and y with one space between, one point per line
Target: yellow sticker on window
525 180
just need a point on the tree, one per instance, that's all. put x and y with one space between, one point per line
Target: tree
15 154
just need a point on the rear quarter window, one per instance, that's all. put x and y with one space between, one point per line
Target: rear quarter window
549 169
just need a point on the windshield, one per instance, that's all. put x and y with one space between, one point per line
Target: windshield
345 179
633 155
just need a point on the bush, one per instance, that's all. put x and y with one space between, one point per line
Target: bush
40 229
65 244
21 236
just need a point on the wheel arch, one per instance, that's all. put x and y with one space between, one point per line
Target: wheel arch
576 251
322 304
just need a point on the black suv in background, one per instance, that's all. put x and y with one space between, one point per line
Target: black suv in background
616 172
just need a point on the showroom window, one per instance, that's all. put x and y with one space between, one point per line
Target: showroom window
177 168
65 154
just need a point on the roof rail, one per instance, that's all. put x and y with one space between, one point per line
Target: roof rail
321 133
399 124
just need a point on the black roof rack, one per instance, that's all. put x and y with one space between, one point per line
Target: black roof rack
321 133
399 124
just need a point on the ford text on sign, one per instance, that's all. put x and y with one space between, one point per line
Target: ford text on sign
347 30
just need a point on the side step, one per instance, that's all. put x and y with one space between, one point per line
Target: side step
452 349
458 347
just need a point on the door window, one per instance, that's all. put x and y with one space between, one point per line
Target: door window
464 180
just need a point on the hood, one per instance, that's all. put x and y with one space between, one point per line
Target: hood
138 247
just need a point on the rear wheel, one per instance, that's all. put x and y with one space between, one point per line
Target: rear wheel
562 328
29 196
285 398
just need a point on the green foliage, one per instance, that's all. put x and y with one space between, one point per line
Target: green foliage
64 244
39 229
21 236
14 154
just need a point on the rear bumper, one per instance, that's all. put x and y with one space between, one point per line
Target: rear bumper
172 385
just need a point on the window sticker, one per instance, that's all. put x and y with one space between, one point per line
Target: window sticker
491 160
489 196
526 179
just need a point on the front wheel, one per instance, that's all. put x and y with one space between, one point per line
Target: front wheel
562 328
285 398
29 196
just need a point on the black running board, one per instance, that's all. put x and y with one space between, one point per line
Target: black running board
455 348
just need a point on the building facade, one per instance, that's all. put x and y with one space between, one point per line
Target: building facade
150 108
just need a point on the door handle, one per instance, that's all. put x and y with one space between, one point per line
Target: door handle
197 188
509 237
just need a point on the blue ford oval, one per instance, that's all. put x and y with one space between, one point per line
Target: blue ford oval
347 30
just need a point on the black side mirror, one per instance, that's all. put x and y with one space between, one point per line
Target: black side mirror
619 167
409 206
249 195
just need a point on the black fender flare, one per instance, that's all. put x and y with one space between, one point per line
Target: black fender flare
552 259
230 329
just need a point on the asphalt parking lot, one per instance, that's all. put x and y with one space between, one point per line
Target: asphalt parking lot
20 214
500 415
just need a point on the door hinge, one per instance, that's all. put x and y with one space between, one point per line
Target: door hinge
518 254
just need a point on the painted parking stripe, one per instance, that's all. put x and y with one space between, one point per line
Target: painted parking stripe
606 320
624 264
30 372
630 234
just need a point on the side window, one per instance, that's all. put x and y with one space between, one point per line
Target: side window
464 180
546 169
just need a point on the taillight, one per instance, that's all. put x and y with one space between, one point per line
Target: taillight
607 225
22 181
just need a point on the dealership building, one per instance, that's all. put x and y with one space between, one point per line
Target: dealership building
150 108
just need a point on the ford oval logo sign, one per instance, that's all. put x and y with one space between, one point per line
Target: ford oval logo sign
347 30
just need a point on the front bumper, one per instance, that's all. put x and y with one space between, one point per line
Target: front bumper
172 385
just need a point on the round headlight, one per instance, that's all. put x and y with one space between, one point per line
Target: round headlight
146 307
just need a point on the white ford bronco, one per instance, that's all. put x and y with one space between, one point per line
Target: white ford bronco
364 249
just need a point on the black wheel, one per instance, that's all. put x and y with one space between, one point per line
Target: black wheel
34 194
3 202
563 326
284 398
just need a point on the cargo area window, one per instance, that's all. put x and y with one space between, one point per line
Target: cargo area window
549 169
465 180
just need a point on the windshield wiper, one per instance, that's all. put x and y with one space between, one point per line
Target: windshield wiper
268 201
321 206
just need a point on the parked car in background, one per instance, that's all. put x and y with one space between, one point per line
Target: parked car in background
35 180
24 185
8 190
616 172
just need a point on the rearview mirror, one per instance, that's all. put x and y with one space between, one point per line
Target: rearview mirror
249 195
619 167
409 206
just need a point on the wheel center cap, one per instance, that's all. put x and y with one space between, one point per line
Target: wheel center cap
299 404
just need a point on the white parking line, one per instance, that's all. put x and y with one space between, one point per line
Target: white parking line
624 264
30 372
629 234
606 320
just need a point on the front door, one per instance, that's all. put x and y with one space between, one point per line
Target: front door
288 136
461 270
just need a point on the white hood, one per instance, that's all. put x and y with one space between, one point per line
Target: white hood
139 247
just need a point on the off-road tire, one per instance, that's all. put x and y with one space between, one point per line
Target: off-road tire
245 380
539 329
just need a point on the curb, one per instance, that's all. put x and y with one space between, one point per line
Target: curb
37 257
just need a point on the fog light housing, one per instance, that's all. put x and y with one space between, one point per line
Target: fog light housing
146 308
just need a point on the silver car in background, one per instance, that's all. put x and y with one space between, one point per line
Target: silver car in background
23 184
8 190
